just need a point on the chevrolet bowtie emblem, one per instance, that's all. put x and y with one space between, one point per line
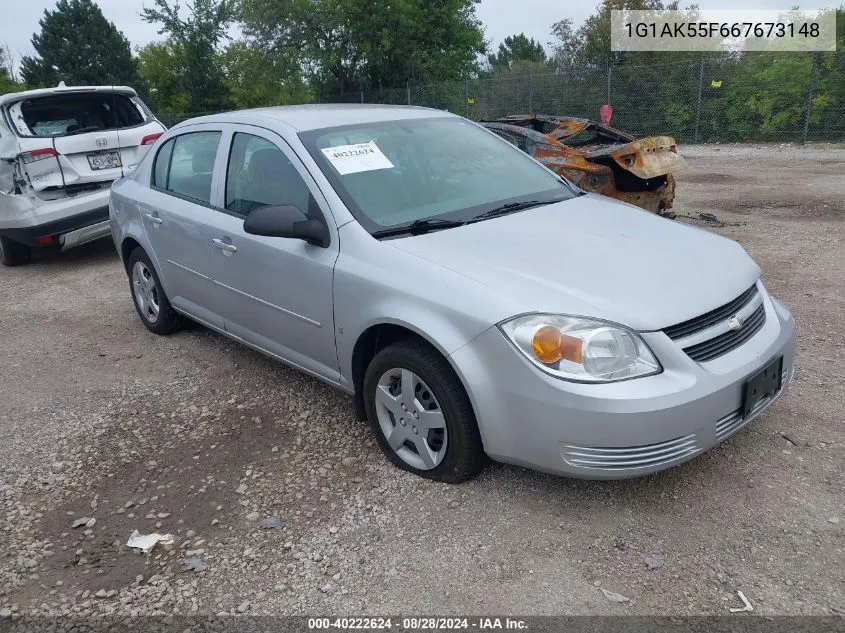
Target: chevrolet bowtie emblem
735 323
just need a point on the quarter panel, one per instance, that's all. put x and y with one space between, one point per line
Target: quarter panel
125 219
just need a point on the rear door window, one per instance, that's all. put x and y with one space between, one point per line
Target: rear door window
76 113
185 165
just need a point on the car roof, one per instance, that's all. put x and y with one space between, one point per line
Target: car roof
45 92
316 116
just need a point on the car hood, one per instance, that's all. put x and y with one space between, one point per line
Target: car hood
597 257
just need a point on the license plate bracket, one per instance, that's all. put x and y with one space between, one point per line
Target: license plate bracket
765 383
104 160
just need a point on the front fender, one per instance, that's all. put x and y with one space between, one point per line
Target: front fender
378 284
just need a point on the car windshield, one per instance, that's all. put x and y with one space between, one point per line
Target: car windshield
394 173
75 113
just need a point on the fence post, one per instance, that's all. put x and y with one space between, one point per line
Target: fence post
466 94
530 90
810 96
362 96
609 75
698 104
408 91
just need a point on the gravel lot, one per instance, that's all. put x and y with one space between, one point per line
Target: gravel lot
199 437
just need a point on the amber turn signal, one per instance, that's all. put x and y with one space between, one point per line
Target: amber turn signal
546 344
550 345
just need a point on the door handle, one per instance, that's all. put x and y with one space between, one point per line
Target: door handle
156 221
224 246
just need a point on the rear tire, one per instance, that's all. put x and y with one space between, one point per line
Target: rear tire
13 253
420 413
148 295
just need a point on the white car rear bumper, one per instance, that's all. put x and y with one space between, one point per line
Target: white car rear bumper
30 212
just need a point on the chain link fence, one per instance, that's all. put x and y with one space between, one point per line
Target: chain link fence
768 97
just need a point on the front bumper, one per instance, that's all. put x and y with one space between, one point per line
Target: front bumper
617 430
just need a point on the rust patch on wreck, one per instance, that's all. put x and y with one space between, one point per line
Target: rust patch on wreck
599 158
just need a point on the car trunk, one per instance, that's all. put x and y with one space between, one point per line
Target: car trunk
77 141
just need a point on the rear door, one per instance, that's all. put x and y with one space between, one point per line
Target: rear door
175 213
96 136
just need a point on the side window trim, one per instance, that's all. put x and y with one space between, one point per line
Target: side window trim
172 143
153 172
218 183
224 193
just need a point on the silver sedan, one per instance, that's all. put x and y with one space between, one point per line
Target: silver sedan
472 302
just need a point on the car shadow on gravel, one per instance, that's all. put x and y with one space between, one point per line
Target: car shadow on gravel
91 253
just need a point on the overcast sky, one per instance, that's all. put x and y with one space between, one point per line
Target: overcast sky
500 17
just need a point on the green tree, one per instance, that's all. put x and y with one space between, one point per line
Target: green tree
516 48
651 92
567 44
369 44
8 78
590 43
764 95
160 67
196 40
828 110
254 78
79 46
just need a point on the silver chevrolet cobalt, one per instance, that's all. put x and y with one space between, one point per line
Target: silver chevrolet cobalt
472 302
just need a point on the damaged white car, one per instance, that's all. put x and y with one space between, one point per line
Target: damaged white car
60 151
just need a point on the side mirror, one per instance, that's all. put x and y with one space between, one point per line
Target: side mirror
286 221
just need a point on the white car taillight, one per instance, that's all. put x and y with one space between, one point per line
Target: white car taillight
150 139
38 154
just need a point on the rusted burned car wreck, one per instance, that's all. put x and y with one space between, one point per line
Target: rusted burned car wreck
599 158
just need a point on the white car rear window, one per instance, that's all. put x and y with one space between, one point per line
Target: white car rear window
75 113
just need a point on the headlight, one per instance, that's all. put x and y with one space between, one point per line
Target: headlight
579 349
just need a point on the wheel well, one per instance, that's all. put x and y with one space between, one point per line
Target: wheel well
127 246
370 343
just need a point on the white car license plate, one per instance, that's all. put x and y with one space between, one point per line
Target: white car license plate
107 160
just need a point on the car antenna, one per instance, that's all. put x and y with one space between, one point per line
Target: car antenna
117 129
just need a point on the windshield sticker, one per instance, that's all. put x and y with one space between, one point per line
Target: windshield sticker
352 159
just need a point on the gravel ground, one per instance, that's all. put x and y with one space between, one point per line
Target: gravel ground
196 436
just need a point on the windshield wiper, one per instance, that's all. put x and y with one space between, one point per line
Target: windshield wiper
418 227
511 207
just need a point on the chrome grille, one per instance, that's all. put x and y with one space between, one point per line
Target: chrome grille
709 336
633 457
711 318
730 340
730 423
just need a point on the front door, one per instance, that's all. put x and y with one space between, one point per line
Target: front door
275 293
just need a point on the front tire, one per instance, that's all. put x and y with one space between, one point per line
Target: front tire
148 295
13 253
420 413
